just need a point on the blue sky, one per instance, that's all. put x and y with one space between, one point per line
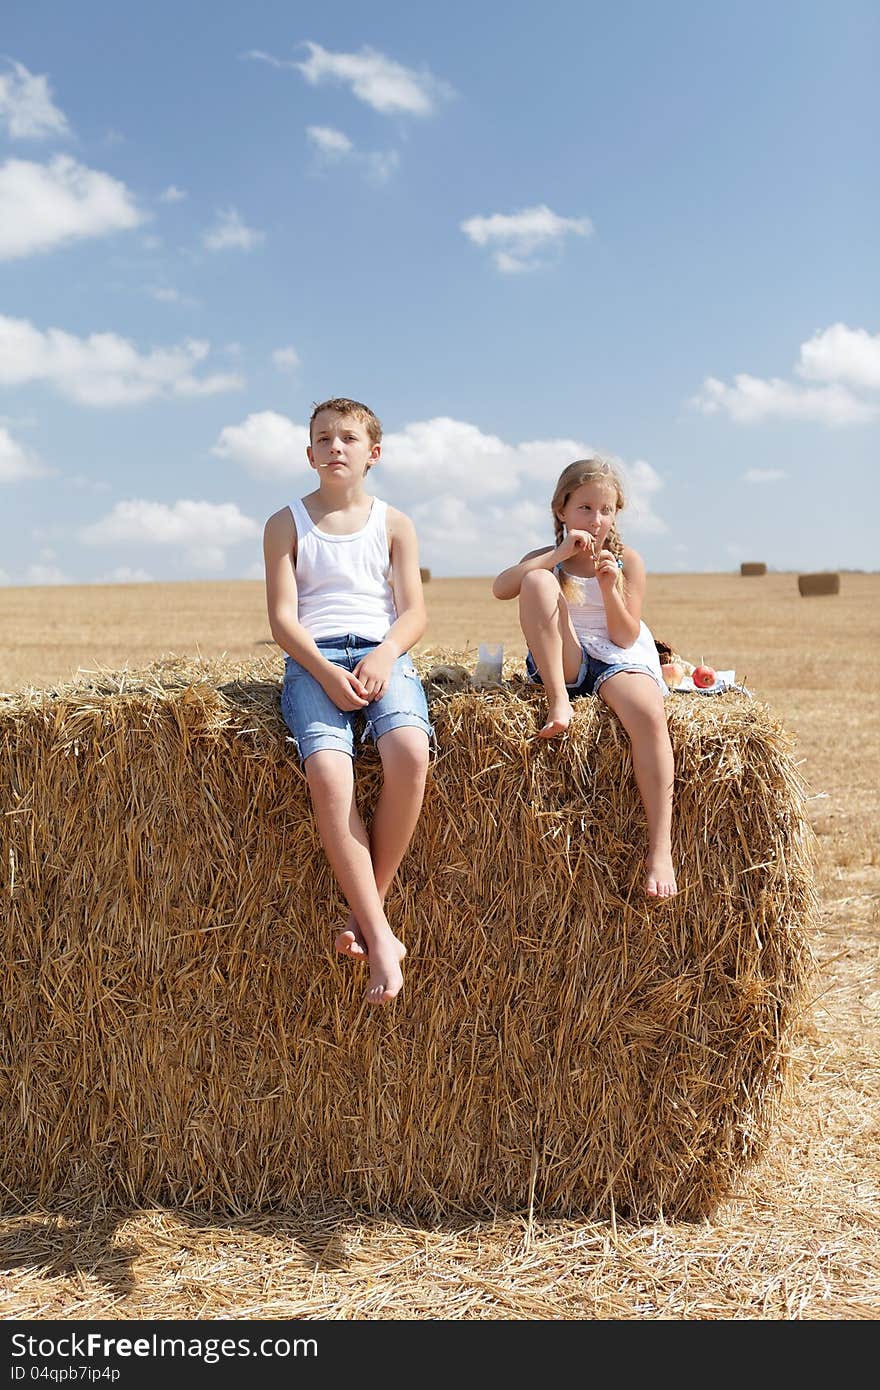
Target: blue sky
519 233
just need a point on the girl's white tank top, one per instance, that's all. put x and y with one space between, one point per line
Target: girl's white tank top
344 582
586 608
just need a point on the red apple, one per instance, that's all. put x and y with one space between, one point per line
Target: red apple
703 677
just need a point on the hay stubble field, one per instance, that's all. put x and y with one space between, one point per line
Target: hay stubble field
801 1239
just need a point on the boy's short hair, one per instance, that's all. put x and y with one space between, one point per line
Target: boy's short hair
341 405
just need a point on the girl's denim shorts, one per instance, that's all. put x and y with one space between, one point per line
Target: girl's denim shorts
593 673
316 723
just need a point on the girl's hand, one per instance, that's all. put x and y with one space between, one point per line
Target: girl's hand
606 570
344 688
374 672
573 543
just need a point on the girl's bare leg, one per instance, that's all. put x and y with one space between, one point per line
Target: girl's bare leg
638 704
404 754
546 626
330 775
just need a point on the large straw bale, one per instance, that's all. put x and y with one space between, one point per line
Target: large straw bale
752 567
814 584
179 1030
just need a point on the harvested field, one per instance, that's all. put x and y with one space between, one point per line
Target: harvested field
801 1236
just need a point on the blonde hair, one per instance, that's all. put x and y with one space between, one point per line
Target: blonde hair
341 405
591 470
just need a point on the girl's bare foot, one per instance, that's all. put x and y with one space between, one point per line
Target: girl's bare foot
558 720
350 941
660 877
386 976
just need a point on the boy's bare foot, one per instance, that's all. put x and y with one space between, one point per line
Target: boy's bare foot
386 976
558 720
660 877
350 941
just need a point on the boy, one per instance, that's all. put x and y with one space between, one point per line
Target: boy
345 602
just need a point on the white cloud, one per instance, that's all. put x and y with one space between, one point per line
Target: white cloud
332 147
843 354
382 83
44 205
764 475
640 482
379 165
434 453
515 238
46 574
839 356
445 453
172 194
229 233
124 574
103 369
266 444
472 495
204 531
752 399
330 142
26 105
286 359
16 462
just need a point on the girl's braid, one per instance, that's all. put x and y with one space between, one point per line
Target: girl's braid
615 545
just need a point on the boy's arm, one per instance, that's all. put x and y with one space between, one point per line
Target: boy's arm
279 540
409 600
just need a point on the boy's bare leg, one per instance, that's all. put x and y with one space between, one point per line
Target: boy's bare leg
404 754
638 704
546 626
330 775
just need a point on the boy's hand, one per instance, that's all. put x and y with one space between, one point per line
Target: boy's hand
344 688
374 671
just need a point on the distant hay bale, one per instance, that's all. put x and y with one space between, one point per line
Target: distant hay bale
179 1030
753 567
426 575
824 583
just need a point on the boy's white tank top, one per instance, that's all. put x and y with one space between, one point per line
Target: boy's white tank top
344 582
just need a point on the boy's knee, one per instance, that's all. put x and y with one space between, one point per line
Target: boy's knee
405 753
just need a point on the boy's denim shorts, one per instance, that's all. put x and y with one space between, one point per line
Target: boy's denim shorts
316 723
593 673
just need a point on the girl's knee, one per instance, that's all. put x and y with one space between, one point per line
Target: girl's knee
643 718
539 582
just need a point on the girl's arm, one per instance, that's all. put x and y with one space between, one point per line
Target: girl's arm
409 600
623 611
509 582
282 603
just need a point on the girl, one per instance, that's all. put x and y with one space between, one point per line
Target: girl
580 605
